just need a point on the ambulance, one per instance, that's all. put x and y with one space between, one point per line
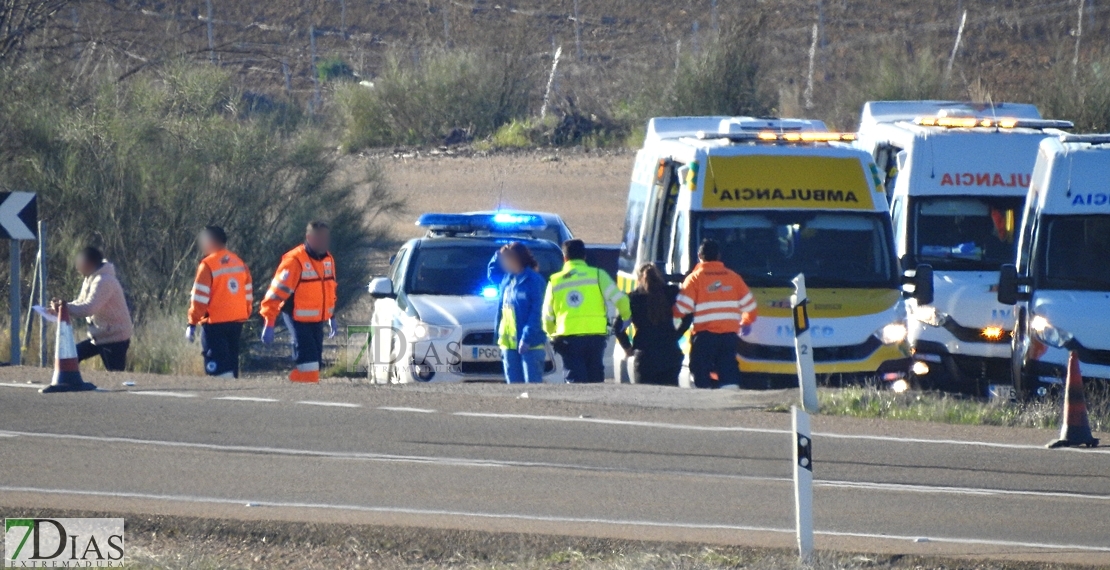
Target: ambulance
957 175
1060 285
782 197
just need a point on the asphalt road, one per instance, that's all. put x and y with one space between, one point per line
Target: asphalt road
630 462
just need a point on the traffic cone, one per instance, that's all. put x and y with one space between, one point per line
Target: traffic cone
67 374
1076 430
308 373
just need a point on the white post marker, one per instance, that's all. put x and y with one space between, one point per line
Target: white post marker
807 377
803 483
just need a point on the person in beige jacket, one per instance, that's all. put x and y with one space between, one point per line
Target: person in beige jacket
104 308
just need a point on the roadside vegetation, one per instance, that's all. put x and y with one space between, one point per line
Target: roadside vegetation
869 402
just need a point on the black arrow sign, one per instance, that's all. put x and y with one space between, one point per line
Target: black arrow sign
19 215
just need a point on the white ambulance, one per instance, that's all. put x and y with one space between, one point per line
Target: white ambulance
1060 285
782 197
957 175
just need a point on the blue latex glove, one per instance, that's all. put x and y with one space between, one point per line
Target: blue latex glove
190 333
746 331
268 335
332 328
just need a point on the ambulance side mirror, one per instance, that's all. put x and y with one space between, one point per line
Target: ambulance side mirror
922 281
381 288
1010 286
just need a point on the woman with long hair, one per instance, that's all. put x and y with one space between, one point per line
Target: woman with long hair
518 325
655 342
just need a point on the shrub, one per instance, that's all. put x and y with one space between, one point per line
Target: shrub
1083 98
139 167
726 77
418 102
334 69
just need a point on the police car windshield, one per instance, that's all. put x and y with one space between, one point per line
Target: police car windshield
1070 248
461 270
768 249
969 233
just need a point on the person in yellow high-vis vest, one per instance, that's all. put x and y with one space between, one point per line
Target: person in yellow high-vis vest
580 305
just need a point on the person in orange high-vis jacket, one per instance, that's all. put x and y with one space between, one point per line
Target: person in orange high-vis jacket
303 292
221 301
722 306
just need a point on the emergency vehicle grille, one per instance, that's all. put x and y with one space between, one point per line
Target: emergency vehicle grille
493 368
820 354
481 338
968 334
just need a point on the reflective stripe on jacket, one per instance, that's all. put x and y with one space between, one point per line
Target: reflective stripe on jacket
222 291
521 305
717 297
581 300
311 283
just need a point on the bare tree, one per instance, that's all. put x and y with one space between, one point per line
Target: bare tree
19 19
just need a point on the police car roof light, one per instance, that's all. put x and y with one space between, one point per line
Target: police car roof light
970 122
505 222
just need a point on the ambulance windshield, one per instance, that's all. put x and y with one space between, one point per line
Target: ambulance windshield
1071 247
966 233
768 249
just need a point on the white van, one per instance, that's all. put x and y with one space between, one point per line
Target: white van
1060 285
957 175
782 197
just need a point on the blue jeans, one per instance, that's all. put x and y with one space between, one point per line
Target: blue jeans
523 368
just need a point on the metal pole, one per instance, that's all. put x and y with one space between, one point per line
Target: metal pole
803 484
577 31
1078 37
211 35
315 71
955 48
15 302
42 292
808 94
807 377
28 320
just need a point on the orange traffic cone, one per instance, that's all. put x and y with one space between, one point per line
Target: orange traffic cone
67 375
308 373
1076 430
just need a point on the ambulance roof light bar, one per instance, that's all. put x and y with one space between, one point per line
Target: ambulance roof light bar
1089 139
957 122
780 137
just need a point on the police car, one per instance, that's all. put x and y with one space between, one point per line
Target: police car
433 313
554 230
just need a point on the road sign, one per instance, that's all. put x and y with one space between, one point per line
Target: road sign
18 215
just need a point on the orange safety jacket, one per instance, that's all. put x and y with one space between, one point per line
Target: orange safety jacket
718 298
222 290
311 283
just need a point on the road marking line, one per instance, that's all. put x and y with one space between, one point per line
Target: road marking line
770 431
330 404
550 518
16 385
403 409
157 393
245 399
465 462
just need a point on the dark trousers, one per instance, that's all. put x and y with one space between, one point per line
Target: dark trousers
220 345
308 342
113 354
653 369
583 358
714 352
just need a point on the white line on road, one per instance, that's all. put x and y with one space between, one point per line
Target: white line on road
245 399
551 519
466 462
330 404
160 393
17 385
771 431
402 409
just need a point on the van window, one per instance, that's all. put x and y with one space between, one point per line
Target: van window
666 203
680 244
1070 246
633 221
768 249
886 158
898 218
966 233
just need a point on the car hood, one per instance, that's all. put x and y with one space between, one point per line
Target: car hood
1084 314
971 298
444 310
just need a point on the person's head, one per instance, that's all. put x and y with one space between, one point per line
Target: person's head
89 260
515 257
574 249
318 236
709 250
649 278
212 239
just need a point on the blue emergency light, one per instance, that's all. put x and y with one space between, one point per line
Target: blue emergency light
500 222
490 292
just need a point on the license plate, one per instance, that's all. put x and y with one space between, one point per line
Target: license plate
485 353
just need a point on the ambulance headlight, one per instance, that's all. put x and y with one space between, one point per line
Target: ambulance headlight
1048 334
893 333
929 315
424 331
